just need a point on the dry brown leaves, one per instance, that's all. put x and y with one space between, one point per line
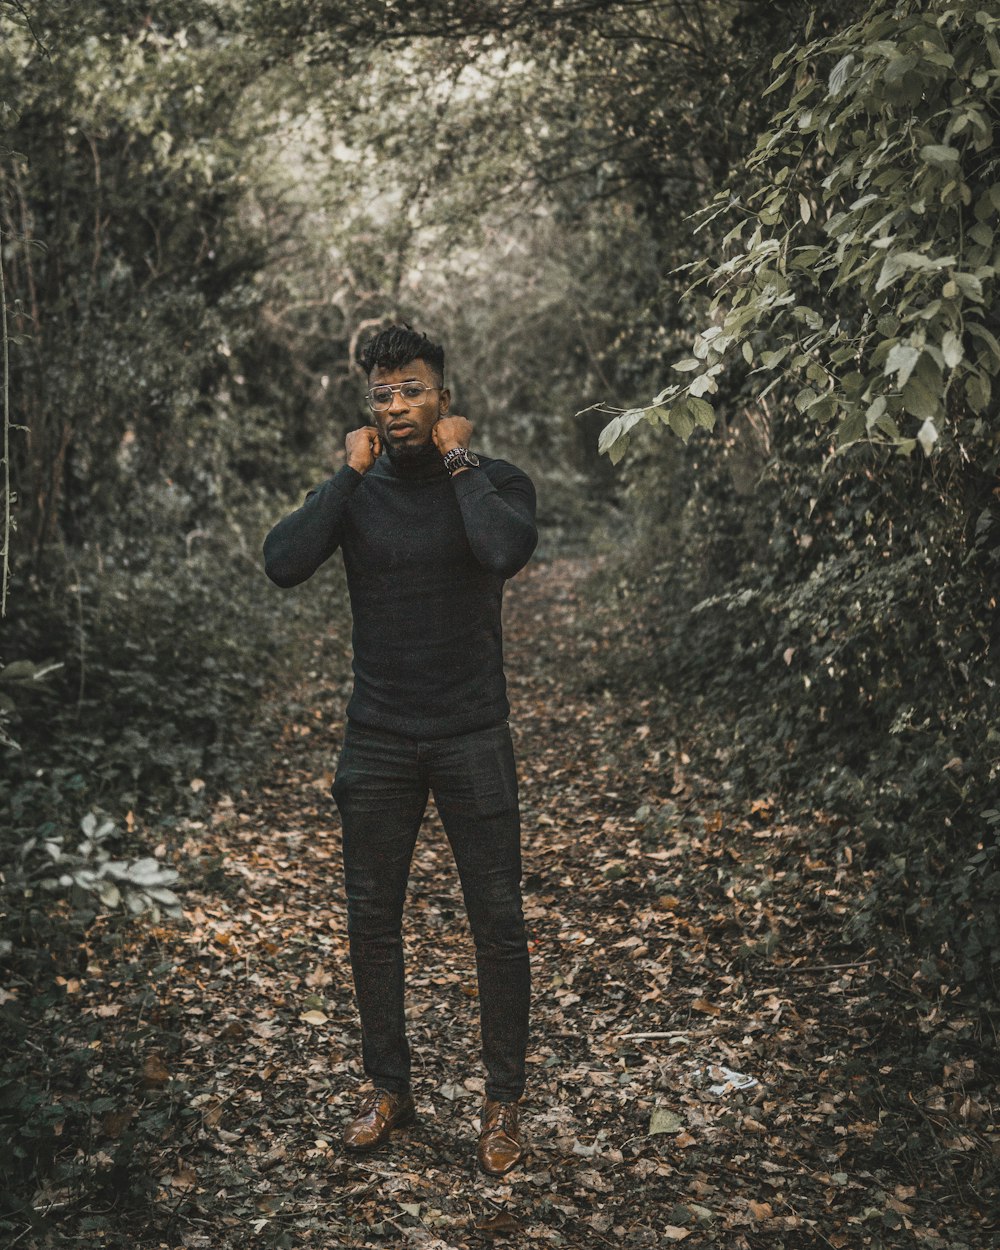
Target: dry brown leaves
710 1064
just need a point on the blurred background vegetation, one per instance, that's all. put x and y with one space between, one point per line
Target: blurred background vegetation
205 205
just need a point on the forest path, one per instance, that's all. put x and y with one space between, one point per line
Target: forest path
677 946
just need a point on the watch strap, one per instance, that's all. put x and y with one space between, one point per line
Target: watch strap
460 458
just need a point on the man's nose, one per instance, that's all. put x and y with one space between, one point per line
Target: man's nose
398 402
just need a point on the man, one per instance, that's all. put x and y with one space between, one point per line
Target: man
429 532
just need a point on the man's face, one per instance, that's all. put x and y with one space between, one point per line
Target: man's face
405 426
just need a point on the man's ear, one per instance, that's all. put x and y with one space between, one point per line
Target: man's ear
444 402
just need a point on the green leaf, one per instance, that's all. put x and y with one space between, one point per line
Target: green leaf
840 74
109 894
977 392
851 428
609 435
681 422
902 360
705 385
940 154
617 450
703 412
899 263
920 399
927 436
822 407
980 332
778 82
688 365
951 349
875 410
969 285
770 360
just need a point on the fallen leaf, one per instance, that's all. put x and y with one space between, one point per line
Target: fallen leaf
710 1009
116 1122
313 1017
664 1121
155 1072
184 1179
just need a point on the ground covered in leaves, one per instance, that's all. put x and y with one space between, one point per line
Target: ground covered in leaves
711 1063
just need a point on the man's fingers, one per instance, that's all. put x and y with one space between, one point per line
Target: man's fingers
363 447
452 431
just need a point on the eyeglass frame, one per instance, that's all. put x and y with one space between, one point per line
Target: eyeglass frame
397 389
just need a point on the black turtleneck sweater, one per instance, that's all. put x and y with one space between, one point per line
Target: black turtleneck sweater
426 558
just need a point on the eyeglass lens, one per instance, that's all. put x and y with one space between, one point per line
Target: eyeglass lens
411 392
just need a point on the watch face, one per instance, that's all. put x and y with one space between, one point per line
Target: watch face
461 457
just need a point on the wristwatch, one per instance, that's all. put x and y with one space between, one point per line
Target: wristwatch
460 458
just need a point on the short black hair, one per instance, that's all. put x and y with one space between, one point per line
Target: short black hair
396 346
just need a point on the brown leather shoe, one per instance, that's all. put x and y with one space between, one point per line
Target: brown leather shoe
380 1112
500 1144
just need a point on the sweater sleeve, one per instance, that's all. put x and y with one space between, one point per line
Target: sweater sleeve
498 511
302 541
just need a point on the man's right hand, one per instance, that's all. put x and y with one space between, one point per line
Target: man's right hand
363 447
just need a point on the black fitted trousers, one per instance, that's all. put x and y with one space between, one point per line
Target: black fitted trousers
381 788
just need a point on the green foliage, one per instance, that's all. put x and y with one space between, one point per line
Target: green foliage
141 885
169 648
18 675
861 267
167 651
825 631
131 143
822 607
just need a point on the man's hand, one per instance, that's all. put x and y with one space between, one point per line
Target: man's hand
363 447
451 432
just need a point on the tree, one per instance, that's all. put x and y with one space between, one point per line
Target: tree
861 262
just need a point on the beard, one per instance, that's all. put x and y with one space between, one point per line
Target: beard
406 454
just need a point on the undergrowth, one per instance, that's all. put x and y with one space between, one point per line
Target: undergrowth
826 636
168 661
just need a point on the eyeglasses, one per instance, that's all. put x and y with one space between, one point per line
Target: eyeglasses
380 397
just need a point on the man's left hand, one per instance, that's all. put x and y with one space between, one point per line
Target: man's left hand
451 432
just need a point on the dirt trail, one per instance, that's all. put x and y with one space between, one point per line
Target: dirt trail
680 949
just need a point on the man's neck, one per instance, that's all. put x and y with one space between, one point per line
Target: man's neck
421 462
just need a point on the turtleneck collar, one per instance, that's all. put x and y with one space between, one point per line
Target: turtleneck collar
426 463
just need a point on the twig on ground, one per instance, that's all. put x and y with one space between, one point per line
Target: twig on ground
861 963
650 1037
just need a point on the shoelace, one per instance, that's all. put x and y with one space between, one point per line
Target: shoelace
370 1101
503 1118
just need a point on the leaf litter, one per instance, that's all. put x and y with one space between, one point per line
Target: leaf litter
711 1061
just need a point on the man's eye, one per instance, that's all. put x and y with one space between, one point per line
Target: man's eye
413 391
382 396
